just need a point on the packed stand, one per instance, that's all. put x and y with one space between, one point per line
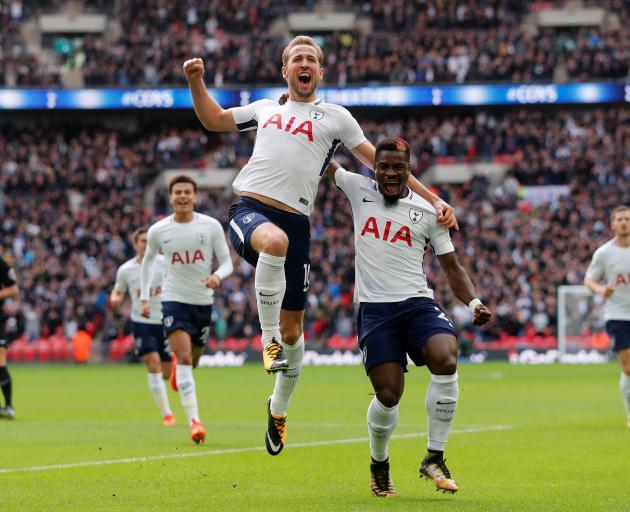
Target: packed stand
65 195
410 43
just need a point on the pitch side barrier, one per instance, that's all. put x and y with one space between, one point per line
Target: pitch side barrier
387 96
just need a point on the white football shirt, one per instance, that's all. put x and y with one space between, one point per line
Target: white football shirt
294 145
612 263
128 279
189 249
390 241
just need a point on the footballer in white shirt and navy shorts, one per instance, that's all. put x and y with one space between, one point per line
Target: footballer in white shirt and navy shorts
398 317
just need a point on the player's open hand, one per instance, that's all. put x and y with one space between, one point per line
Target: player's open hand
482 315
608 291
212 281
193 69
145 309
446 214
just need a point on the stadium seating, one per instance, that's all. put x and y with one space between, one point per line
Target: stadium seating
426 42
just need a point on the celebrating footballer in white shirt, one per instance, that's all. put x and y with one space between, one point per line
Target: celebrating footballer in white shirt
398 317
611 264
269 226
189 241
147 332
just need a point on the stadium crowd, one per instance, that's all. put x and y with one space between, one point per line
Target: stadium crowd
410 43
70 200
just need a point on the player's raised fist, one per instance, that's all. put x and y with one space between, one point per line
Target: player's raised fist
193 69
482 315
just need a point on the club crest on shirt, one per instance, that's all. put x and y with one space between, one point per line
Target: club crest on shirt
316 114
202 237
248 218
415 215
168 321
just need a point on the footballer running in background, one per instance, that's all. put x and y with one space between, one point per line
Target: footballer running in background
8 290
608 275
398 317
147 332
190 241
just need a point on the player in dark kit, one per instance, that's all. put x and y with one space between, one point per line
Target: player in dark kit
397 315
8 290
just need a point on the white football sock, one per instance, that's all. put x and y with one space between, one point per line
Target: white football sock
187 392
381 424
441 402
624 386
270 284
286 382
158 390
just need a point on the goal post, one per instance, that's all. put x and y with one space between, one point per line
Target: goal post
581 324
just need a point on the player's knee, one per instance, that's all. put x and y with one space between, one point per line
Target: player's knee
274 242
389 397
446 364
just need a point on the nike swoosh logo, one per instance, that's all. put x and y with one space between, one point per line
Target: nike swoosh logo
366 200
267 294
446 403
274 447
167 241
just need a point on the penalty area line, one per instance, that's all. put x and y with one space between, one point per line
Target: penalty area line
227 451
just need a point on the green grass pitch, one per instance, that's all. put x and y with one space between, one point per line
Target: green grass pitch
524 438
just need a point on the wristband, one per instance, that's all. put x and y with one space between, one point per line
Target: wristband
473 304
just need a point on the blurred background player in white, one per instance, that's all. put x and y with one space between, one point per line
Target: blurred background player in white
397 314
269 226
189 241
611 264
147 332
8 290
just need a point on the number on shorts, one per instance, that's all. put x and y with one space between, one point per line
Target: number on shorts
307 270
205 334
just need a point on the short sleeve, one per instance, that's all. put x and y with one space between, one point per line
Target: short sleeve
348 182
440 240
350 132
246 117
596 268
121 281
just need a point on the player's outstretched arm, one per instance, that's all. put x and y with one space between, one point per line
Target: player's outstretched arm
10 292
366 153
463 287
209 112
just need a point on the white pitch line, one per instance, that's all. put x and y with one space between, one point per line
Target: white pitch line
208 453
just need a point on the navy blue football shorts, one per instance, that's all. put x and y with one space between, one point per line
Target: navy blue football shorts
195 320
247 215
619 332
150 338
389 331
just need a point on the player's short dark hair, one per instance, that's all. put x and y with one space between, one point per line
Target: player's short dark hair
393 144
181 178
138 232
307 40
621 208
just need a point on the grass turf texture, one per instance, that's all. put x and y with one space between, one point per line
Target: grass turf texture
567 447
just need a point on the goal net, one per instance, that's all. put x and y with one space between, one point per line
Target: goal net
581 323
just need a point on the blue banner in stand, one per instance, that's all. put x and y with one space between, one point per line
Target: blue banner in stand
390 96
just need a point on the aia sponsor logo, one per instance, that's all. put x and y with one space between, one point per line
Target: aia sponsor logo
187 257
304 129
402 234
